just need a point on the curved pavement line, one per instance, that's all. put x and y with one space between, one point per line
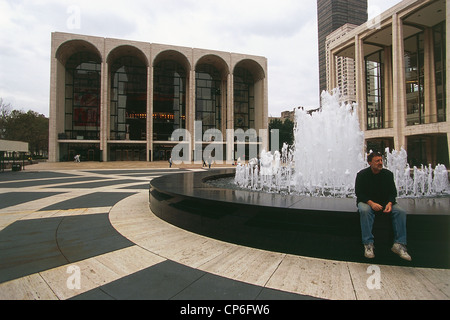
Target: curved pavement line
313 277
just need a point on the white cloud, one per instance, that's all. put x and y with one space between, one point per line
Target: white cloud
284 31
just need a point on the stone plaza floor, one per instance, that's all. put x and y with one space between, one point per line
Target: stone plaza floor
85 231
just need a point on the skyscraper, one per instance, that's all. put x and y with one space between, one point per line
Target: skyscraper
332 14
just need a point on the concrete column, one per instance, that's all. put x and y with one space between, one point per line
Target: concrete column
104 110
398 82
230 102
223 106
361 82
53 153
150 113
190 111
387 97
331 84
230 118
265 117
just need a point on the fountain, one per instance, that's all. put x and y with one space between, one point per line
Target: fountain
325 159
300 200
327 155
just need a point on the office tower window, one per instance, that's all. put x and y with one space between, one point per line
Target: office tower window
332 14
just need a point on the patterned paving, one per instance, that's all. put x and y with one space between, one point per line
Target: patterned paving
89 234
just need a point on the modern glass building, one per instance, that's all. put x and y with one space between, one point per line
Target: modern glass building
331 15
402 82
114 100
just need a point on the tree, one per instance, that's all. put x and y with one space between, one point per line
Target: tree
286 131
30 127
5 111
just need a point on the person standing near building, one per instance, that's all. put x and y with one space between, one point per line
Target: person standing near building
376 194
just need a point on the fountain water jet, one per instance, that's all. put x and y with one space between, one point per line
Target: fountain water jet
327 155
328 148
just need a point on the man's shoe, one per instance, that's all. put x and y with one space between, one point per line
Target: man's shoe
368 251
400 249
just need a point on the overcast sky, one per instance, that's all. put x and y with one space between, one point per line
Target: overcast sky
283 31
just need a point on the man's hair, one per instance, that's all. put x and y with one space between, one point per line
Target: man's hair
372 155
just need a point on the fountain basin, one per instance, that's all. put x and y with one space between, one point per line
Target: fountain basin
318 227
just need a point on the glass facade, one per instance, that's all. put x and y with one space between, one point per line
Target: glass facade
439 40
86 151
405 81
82 97
127 152
244 99
169 99
425 148
374 90
414 54
414 77
380 144
119 100
208 108
128 105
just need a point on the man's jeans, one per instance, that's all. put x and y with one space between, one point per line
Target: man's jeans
367 217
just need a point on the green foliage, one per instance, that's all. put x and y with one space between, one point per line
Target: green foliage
30 127
286 131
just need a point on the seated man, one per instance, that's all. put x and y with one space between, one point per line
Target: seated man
376 193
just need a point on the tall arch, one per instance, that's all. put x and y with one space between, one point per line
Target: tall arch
126 50
69 48
170 85
211 92
170 104
128 94
82 96
248 84
78 96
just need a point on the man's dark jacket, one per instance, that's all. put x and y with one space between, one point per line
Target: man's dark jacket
379 188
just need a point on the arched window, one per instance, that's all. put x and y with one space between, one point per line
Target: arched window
82 97
128 99
244 99
169 99
208 108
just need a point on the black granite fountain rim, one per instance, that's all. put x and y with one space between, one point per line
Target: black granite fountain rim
195 185
308 226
